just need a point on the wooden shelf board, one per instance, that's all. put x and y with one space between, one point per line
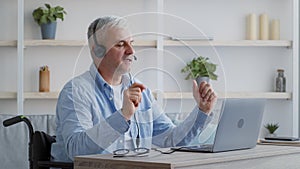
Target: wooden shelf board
8 95
76 43
238 43
145 43
30 95
41 95
32 43
8 43
153 43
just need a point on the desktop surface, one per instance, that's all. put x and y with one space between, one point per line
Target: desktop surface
262 156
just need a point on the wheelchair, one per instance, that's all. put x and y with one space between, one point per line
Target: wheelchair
39 146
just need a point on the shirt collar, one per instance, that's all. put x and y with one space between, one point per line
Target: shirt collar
126 78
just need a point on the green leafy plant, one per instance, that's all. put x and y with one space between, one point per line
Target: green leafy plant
272 127
200 67
49 14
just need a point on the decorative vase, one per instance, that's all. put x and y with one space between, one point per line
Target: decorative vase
48 30
44 82
201 79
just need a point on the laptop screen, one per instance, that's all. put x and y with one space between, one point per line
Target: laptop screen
239 124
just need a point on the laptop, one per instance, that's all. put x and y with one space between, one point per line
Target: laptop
238 128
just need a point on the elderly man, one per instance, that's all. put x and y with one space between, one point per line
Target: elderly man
105 109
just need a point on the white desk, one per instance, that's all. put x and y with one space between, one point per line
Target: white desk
263 156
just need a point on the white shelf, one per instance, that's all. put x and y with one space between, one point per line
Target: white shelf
145 43
75 43
265 95
238 43
68 43
153 43
71 43
8 95
41 95
166 95
30 95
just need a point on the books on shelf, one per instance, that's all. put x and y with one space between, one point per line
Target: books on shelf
279 142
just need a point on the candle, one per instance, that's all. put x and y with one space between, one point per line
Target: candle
264 27
251 27
275 29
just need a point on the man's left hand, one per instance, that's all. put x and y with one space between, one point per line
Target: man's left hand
205 96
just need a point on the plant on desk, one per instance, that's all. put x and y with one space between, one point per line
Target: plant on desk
272 128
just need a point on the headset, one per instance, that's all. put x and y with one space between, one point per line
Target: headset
99 50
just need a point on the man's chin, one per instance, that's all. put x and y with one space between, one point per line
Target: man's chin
124 71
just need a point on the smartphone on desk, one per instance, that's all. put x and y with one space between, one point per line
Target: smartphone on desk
282 138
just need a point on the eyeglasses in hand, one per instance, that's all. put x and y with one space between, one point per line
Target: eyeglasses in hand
131 153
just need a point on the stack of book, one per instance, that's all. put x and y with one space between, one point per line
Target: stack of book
281 141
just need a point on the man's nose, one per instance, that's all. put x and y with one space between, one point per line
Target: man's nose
130 50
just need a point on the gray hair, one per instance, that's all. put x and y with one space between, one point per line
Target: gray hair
102 24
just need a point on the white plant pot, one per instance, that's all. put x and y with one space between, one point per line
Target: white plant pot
272 135
201 79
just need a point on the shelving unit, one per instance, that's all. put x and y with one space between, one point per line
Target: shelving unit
291 43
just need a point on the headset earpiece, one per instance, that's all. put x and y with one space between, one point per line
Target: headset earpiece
99 50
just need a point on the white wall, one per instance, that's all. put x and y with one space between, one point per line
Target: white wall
240 68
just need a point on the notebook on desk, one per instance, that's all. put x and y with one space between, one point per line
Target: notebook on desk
238 128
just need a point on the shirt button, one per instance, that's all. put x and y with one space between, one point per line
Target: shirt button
110 98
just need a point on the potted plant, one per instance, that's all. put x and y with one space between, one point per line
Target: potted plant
46 18
200 68
272 128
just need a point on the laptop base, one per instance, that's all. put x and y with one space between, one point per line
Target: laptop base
198 148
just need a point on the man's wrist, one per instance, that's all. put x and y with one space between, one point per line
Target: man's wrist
204 111
124 115
207 112
118 122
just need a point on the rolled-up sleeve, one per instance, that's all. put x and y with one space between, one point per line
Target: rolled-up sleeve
168 135
78 132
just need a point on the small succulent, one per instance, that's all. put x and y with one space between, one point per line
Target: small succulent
272 127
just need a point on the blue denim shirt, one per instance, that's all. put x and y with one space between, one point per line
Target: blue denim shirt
89 123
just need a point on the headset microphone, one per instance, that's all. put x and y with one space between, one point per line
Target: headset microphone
134 57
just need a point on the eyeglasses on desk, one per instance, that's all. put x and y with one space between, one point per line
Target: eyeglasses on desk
131 153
